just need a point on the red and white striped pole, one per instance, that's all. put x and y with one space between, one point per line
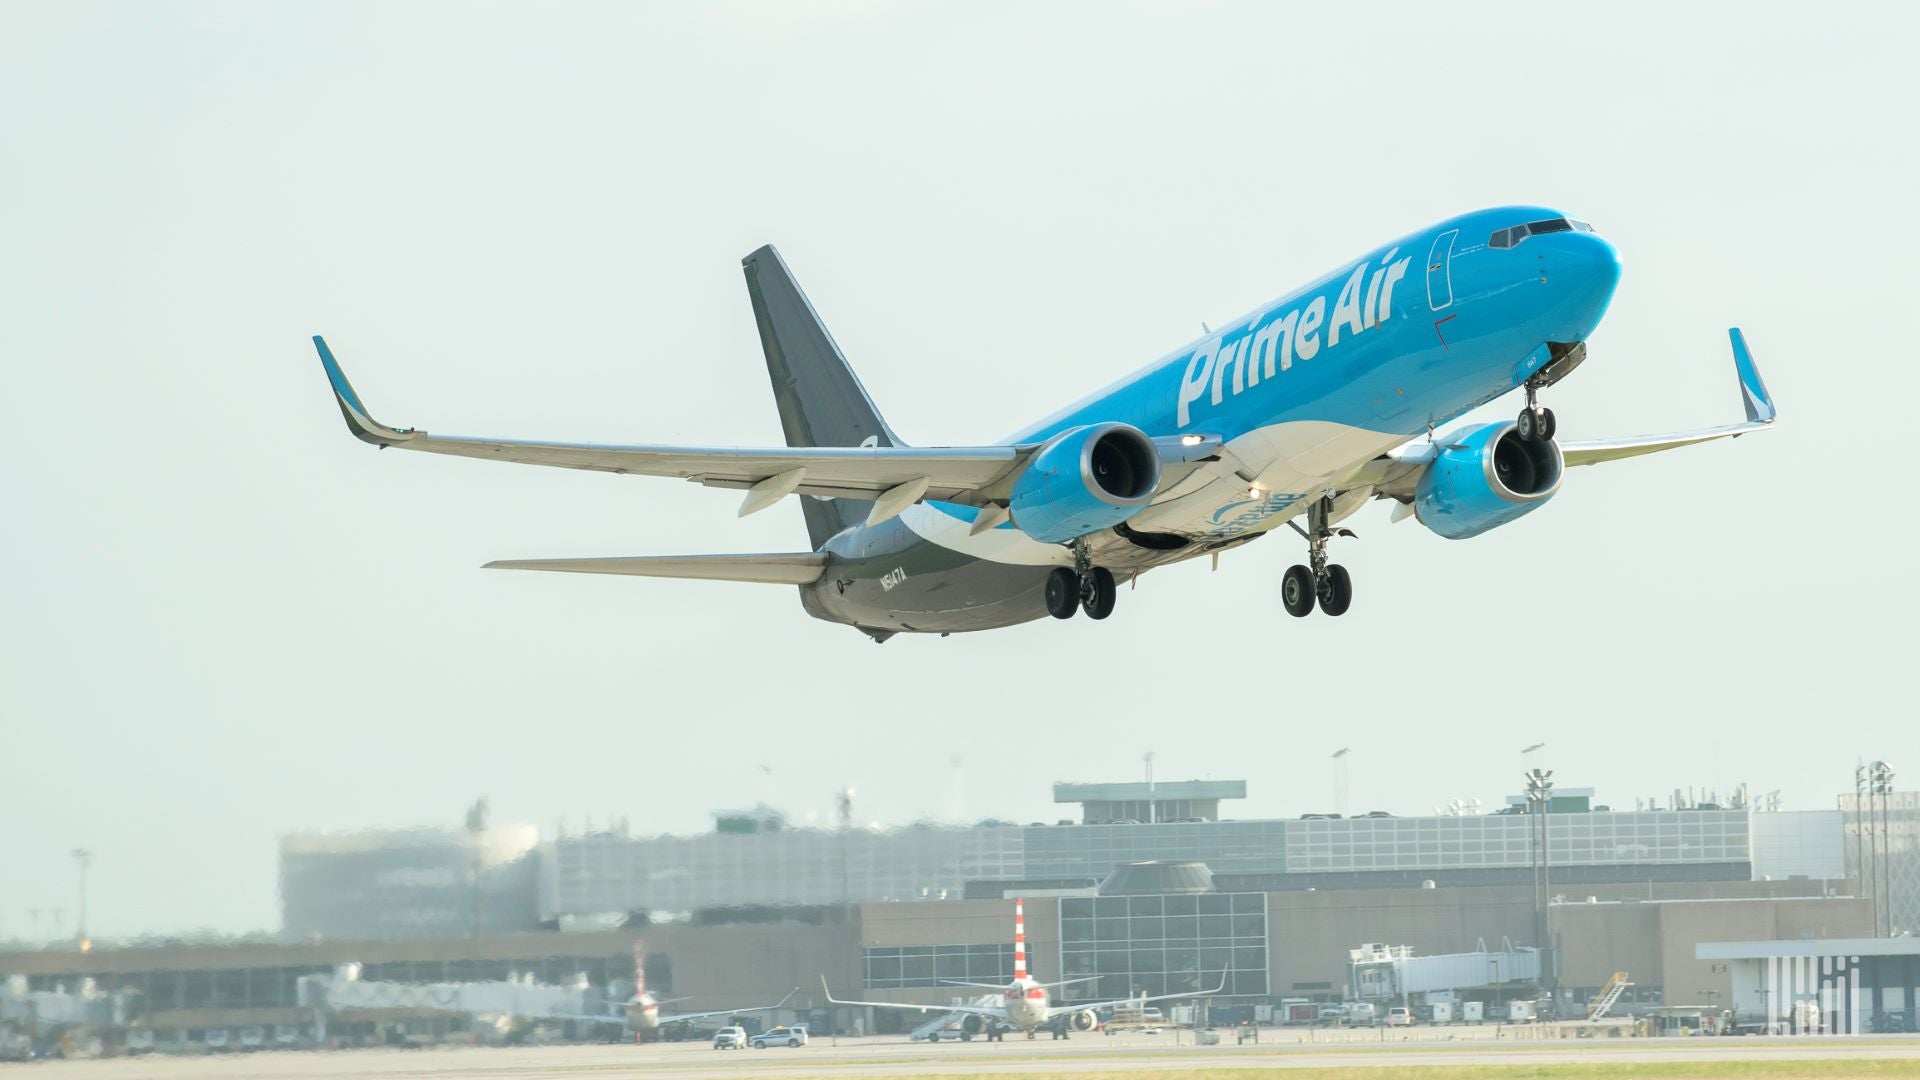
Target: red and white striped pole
1019 939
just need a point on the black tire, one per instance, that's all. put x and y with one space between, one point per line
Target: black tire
1296 591
793 1042
1523 425
1099 602
1339 594
1547 425
933 1036
1063 593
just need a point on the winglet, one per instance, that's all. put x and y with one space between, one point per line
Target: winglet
1753 392
363 426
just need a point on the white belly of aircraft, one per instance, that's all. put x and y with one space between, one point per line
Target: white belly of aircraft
1291 464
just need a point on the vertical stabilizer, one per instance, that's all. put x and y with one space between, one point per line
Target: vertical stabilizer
820 399
639 969
1019 939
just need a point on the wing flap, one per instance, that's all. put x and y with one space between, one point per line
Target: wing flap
795 569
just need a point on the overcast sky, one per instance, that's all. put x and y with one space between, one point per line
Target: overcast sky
225 619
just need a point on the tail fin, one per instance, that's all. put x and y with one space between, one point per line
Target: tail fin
639 968
1019 939
821 401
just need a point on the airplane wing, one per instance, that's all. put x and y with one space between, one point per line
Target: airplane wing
895 477
1085 1005
677 1018
1753 393
1396 473
977 1010
800 568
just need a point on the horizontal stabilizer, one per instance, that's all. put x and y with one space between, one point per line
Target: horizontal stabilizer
796 569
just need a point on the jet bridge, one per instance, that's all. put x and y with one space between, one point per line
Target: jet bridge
493 1004
1393 971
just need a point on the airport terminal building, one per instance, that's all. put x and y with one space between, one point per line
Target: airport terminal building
1271 908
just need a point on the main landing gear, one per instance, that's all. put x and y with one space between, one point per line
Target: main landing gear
1536 420
1085 588
1328 586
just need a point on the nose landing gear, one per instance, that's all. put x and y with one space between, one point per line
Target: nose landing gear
1321 583
1086 588
1536 420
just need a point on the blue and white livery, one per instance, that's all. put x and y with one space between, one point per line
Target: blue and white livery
1295 414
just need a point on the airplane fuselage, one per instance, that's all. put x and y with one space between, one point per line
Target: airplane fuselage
1302 392
1026 1004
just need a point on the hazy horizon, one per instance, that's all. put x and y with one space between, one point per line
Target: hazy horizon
228 620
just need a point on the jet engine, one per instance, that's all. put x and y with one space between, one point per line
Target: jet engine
1484 477
973 1024
1087 479
1084 1020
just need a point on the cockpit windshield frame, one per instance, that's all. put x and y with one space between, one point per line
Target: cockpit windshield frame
1511 237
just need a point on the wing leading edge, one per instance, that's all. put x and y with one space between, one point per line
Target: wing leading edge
801 568
892 477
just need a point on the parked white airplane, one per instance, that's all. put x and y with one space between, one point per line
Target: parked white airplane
1027 1005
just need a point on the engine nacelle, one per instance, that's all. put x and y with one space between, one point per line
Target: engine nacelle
1084 1020
973 1024
1485 477
1086 479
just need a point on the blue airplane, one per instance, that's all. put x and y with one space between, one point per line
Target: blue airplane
1303 410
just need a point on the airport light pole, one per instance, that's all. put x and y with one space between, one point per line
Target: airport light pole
1540 802
1883 787
845 802
83 859
1862 816
1152 813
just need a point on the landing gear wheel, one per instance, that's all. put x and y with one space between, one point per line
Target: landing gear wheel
1296 591
1100 594
1335 590
1525 425
1063 593
1546 424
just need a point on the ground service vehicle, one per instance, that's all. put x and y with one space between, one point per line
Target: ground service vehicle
780 1036
730 1038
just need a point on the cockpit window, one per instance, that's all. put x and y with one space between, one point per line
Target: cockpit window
1506 238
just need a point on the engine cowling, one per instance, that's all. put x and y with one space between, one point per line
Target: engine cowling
1483 478
1084 1020
1086 479
973 1024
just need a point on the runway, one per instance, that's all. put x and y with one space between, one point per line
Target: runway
1137 1056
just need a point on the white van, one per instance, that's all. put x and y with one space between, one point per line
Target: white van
1399 1016
1361 1012
217 1040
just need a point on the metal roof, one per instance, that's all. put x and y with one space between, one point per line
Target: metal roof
1161 792
1761 950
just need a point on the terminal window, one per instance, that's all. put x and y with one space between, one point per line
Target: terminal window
929 965
1164 944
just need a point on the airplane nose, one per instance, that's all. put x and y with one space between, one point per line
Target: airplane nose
1585 270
